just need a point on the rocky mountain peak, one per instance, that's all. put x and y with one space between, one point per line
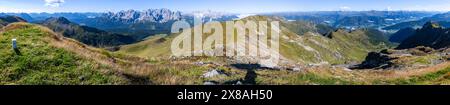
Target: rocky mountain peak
149 15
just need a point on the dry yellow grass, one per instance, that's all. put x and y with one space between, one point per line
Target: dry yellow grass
371 76
394 74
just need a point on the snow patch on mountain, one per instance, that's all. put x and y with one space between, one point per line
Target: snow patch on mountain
241 16
150 15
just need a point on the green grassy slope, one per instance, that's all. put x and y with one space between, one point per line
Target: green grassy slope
309 48
44 62
154 46
40 63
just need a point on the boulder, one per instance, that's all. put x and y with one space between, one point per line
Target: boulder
376 60
213 73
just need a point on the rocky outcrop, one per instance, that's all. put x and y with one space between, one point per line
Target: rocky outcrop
413 57
213 73
376 60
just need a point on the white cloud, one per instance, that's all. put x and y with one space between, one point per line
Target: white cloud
345 8
54 3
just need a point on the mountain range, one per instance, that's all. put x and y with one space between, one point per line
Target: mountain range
430 35
155 18
429 45
311 47
145 16
443 19
88 35
356 19
133 47
24 16
5 20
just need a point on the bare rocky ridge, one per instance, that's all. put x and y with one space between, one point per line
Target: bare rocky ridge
150 15
427 46
406 58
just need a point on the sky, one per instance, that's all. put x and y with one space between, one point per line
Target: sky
231 6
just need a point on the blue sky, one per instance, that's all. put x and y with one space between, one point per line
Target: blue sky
232 6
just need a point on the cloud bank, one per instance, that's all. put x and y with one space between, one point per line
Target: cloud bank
54 3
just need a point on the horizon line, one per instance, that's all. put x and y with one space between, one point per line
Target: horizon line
443 11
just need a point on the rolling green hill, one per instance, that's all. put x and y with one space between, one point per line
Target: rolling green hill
39 62
48 58
337 47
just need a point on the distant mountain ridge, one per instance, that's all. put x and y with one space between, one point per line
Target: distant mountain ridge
5 20
431 35
443 19
355 19
24 16
88 35
149 15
